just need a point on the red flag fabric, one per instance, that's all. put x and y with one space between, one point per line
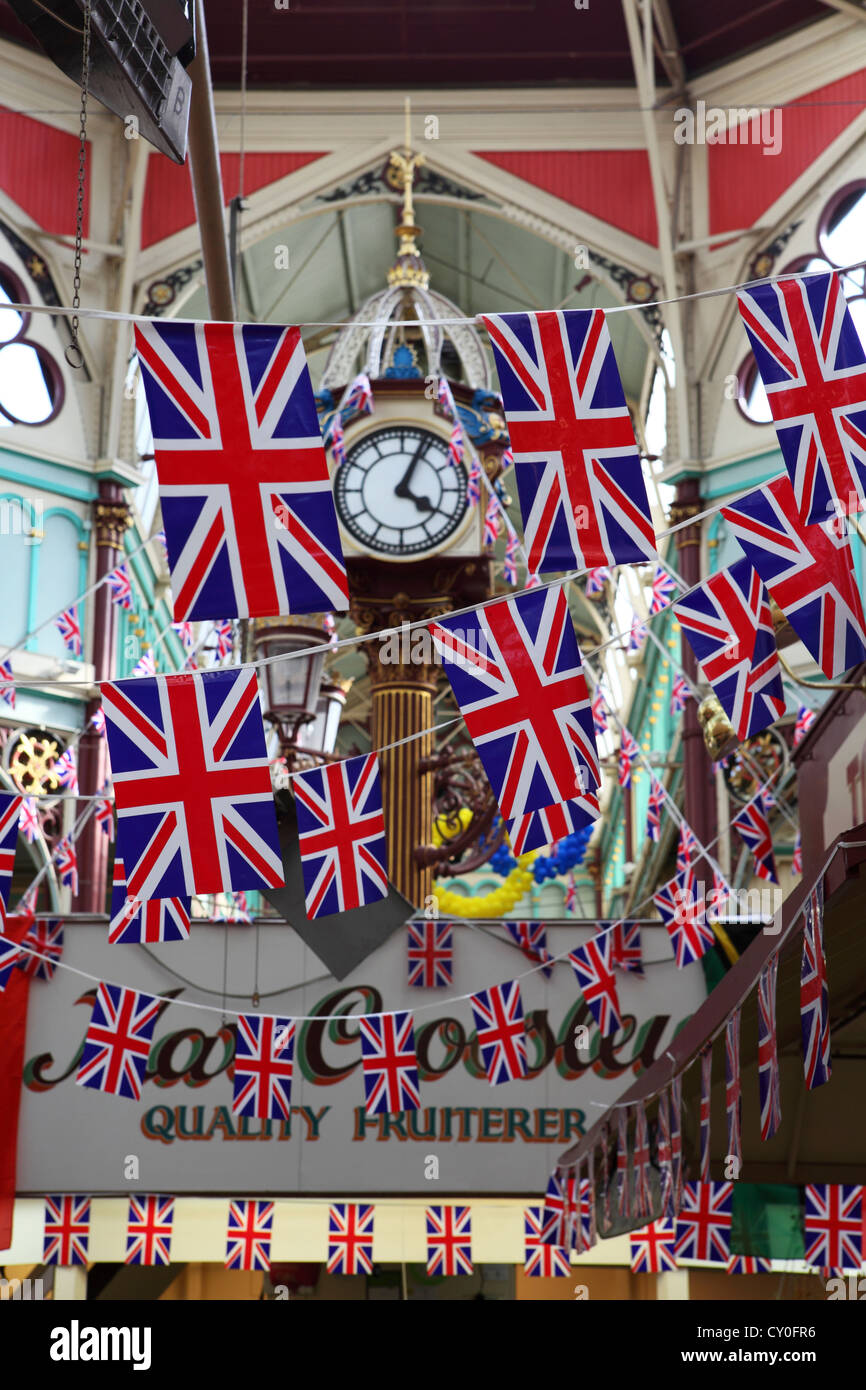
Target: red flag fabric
13 1028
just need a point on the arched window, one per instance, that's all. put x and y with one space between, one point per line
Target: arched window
841 228
31 382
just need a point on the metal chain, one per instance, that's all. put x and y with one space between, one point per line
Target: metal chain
73 353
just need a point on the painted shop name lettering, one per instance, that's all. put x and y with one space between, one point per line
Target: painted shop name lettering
459 1124
328 1048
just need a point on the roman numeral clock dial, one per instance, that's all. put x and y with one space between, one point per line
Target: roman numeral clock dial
398 494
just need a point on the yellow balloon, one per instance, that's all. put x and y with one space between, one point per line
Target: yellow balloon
495 904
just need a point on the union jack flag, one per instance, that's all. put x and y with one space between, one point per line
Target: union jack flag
704 1222
655 806
733 1092
430 953
67 1231
754 830
684 916
652 1248
225 638
570 894
641 1162
11 955
748 1264
98 721
727 621
559 1203
664 588
676 1140
65 771
246 496
473 482
10 816
69 629
7 689
264 1052
637 635
706 1089
805 719
248 1239
593 966
543 1259
578 469
46 938
498 1015
625 951
149 1228
815 994
544 827
515 670
491 521
686 847
389 1063
665 1155
359 396
623 1184
137 922
121 588
509 564
768 1058
240 908
449 1240
66 863
599 713
330 627
797 856
809 571
445 397
531 937
833 1225
595 581
679 694
105 816
146 664
117 1042
628 752
814 372
350 1238
185 633
582 1216
341 832
336 441
192 788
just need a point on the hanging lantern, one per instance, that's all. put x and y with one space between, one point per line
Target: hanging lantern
292 685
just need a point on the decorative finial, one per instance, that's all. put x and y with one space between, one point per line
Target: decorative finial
401 175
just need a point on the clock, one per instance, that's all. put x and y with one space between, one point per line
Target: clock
398 494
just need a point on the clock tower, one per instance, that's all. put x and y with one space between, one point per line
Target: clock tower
412 534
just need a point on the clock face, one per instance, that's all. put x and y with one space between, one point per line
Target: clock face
398 493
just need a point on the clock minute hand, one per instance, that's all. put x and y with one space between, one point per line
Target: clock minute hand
403 490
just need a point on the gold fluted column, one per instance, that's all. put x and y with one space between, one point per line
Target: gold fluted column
404 706
403 683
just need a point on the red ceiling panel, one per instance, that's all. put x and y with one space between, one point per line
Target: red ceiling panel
39 171
168 201
744 181
613 185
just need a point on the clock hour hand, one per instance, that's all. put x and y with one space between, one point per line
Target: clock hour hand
403 490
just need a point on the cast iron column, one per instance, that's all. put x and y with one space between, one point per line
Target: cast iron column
698 780
111 517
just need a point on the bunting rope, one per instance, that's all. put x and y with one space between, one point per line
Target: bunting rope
360 638
59 311
581 923
421 1007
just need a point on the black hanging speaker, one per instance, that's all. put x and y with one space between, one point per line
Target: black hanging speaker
139 52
